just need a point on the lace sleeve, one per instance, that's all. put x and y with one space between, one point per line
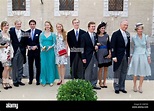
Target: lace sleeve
131 46
148 47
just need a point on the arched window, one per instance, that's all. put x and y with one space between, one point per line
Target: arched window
18 5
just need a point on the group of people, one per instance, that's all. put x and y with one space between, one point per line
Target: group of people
91 53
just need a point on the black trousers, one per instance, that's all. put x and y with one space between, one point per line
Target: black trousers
31 57
1 69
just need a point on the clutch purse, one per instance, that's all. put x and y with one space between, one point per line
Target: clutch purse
62 52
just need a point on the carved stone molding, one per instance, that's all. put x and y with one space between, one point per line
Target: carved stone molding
65 13
123 13
18 13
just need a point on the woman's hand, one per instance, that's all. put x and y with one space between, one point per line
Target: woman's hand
109 56
49 48
43 48
149 59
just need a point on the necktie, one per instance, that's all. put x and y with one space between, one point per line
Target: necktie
92 38
32 34
77 34
125 37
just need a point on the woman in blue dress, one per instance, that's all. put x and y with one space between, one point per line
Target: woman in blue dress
140 57
49 71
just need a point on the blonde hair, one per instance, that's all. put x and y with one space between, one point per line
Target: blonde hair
17 22
51 27
63 31
75 20
3 24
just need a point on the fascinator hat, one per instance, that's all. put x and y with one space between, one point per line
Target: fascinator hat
138 25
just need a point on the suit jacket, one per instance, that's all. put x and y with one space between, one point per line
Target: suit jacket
34 42
73 43
89 48
22 44
118 47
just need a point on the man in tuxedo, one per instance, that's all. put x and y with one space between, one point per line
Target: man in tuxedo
89 57
1 68
19 43
73 40
120 50
33 52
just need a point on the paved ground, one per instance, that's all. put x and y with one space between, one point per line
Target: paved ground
33 92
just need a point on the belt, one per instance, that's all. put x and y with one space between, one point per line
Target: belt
102 47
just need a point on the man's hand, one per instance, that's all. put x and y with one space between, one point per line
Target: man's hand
84 60
34 47
114 59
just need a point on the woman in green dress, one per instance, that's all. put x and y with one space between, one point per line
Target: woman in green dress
49 71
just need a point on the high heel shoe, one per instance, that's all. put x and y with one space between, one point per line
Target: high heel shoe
4 86
134 89
140 90
59 82
51 84
8 85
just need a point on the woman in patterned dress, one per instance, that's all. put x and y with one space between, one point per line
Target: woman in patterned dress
61 43
103 54
6 54
139 57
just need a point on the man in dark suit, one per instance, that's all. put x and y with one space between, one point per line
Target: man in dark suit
33 51
89 57
19 43
1 69
73 40
120 50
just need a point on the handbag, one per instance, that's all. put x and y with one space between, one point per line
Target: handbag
62 52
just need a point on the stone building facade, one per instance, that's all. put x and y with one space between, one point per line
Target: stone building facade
85 10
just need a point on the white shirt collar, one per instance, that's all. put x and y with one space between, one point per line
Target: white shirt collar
77 30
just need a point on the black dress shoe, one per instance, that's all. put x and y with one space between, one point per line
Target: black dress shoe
30 82
16 84
117 91
95 87
20 83
124 91
37 83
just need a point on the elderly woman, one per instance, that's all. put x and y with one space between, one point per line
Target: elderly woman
140 57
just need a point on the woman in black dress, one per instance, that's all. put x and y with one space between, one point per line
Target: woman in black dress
103 54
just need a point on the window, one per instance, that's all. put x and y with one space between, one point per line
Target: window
115 5
18 5
66 5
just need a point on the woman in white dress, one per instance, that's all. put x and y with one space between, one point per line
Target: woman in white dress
61 43
140 57
6 54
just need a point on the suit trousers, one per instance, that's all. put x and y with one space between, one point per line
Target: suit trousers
91 71
17 66
120 75
31 59
77 68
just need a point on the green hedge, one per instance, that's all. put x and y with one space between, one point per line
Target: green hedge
76 90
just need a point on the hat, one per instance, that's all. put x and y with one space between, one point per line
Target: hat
138 24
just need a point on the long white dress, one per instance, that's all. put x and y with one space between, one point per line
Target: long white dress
140 50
